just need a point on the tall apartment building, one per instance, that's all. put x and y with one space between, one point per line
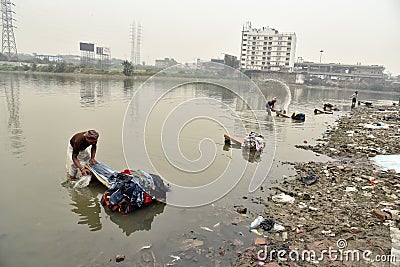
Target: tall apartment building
267 49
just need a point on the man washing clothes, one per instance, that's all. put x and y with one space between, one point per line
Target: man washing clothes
270 105
78 152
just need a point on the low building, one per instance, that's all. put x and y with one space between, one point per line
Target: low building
49 58
165 63
228 60
231 61
217 60
341 72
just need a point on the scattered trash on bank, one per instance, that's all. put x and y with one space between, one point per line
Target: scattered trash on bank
283 198
354 199
310 179
351 189
257 221
388 162
376 125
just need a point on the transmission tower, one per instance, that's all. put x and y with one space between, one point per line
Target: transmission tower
9 47
136 40
138 43
133 38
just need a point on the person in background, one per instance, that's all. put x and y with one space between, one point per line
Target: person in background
354 99
270 105
78 154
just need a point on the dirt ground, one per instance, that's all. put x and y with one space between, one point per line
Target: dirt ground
339 209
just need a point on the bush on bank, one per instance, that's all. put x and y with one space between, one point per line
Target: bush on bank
61 67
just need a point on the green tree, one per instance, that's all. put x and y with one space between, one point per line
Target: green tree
60 67
128 68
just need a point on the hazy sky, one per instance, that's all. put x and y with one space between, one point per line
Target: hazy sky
366 31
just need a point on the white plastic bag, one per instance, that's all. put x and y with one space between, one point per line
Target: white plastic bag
83 181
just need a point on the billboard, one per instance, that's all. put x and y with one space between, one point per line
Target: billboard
107 50
103 50
86 47
99 50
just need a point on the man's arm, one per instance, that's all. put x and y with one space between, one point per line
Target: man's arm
77 164
93 154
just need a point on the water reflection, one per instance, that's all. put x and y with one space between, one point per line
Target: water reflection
94 92
86 204
129 88
140 220
249 155
45 83
12 93
128 84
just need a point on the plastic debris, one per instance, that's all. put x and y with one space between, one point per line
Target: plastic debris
370 136
351 189
278 227
174 260
302 205
83 181
388 162
216 225
310 179
328 233
206 229
267 224
284 236
257 221
283 198
256 232
376 125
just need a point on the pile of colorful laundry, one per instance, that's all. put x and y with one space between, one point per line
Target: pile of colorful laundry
125 197
253 141
130 189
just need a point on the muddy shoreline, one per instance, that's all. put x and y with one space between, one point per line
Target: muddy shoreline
348 199
328 214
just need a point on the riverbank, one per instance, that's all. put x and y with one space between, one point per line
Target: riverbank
82 75
348 204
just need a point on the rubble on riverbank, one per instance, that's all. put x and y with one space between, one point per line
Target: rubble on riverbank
341 209
347 203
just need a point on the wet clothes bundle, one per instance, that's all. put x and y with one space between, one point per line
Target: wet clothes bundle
130 189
